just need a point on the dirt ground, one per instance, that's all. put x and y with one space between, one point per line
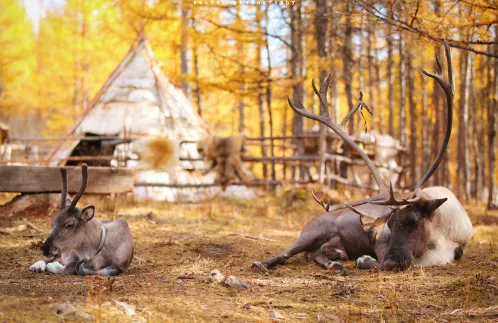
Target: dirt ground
176 247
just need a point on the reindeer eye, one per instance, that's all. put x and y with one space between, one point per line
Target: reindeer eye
69 226
412 218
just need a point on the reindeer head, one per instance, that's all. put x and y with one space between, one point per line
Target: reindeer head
409 224
68 227
410 233
408 218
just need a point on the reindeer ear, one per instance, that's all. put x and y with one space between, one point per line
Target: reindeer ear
68 200
87 213
369 224
430 206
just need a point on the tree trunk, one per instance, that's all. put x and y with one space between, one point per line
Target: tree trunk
241 95
348 79
492 129
476 184
198 91
334 75
436 133
414 170
268 98
297 73
321 21
348 64
261 103
195 53
184 51
390 77
402 109
463 133
426 143
372 98
438 111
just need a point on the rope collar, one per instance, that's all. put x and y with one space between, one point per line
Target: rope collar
103 237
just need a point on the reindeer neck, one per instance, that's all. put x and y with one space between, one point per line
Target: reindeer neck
93 233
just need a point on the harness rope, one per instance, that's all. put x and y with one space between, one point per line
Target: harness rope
103 237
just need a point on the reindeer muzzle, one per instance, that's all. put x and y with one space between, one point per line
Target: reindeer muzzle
47 247
396 260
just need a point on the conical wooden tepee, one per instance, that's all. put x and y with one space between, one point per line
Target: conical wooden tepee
137 97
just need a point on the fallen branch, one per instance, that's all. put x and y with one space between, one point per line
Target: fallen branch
34 227
251 237
38 234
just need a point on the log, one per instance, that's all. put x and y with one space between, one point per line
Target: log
41 179
204 185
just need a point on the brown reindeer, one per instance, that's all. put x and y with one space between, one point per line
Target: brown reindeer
425 227
86 245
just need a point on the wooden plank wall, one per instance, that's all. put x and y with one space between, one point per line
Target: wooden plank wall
41 179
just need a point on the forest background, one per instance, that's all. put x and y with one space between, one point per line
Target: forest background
238 63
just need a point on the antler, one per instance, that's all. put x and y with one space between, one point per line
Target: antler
449 89
84 180
370 223
384 197
339 130
64 187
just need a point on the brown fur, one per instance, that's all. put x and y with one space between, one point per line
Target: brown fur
157 153
224 155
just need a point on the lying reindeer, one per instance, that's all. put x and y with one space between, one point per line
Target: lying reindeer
86 245
427 227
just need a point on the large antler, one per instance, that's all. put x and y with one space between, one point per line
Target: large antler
339 130
385 196
84 180
64 187
449 89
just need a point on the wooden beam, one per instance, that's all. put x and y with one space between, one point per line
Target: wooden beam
202 185
41 179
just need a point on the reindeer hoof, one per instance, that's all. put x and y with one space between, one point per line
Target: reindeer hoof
38 267
366 262
337 266
259 265
79 268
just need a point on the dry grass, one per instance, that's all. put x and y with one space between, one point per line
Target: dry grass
188 241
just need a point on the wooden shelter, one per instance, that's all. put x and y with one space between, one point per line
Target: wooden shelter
138 100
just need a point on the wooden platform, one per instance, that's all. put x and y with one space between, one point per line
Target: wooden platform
41 179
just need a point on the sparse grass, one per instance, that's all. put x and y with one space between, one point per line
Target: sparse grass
177 246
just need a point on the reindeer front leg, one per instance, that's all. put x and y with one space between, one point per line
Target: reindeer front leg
55 267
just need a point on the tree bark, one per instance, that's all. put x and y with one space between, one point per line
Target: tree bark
241 105
297 74
463 133
426 143
268 97
261 103
402 109
476 184
321 28
348 63
492 129
414 170
195 53
184 51
436 133
390 77
372 97
334 75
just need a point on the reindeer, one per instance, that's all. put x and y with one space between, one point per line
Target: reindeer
86 245
426 227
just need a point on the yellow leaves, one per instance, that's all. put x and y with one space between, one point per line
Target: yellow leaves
16 57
